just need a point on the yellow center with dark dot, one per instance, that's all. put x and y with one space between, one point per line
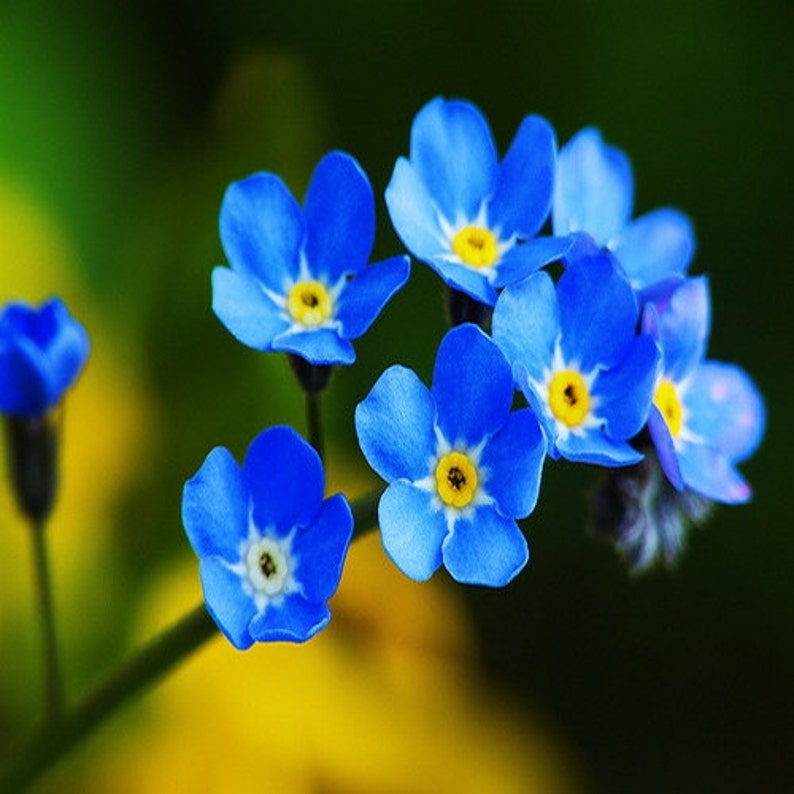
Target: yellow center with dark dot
569 398
456 479
309 303
475 246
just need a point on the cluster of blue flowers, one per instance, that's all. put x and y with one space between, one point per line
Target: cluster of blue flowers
605 349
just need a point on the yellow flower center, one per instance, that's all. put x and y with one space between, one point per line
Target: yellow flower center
456 479
569 398
309 303
475 246
666 400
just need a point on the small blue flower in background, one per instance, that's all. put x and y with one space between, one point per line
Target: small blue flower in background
469 217
578 360
707 416
42 351
461 468
594 193
299 281
271 549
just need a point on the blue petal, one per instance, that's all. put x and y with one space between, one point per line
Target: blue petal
241 304
339 212
322 547
594 189
413 213
525 258
513 459
285 479
522 197
295 620
724 408
538 404
665 447
625 391
526 323
706 470
319 346
66 349
411 530
465 279
487 549
23 383
453 152
598 312
655 247
596 447
363 298
215 507
262 230
682 326
472 386
395 424
227 602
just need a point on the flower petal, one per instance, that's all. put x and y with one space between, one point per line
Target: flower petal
625 391
66 349
472 385
453 152
285 479
294 620
525 258
487 549
227 602
339 212
598 312
363 298
708 471
319 346
413 213
594 189
23 383
725 409
655 247
215 507
262 230
526 323
595 447
465 279
241 304
665 447
522 197
513 460
395 424
412 531
322 547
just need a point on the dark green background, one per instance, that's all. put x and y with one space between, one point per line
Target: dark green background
127 123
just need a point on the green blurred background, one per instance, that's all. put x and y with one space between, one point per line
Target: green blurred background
125 122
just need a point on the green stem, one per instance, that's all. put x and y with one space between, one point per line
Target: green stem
53 682
42 750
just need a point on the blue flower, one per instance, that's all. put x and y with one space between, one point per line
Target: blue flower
299 281
707 416
461 468
578 360
271 549
42 351
462 212
594 193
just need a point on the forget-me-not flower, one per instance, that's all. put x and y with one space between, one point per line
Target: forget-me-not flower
271 549
578 360
461 211
594 194
461 467
42 351
299 281
707 416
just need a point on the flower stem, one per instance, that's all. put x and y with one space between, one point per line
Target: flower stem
53 682
41 751
314 421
